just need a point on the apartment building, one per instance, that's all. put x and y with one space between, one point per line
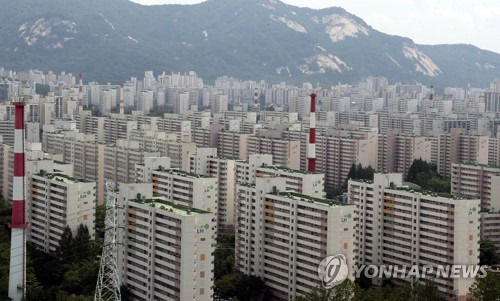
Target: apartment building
223 170
167 248
144 171
334 158
273 117
59 201
185 188
404 149
118 127
490 227
483 182
243 117
403 227
311 184
282 236
477 181
168 146
284 152
233 145
119 161
458 147
172 123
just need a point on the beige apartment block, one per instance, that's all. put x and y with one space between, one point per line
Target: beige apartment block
59 201
167 249
282 236
402 226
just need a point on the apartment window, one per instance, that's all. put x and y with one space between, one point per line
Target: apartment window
346 246
471 237
202 291
202 274
202 257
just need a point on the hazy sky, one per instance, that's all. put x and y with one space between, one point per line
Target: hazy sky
425 21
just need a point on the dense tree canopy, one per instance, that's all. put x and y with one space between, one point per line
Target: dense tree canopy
349 291
425 175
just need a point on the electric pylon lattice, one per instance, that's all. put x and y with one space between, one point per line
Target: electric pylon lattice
108 282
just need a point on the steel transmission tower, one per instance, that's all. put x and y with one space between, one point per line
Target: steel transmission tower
108 282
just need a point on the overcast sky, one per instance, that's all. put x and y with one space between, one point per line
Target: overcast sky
425 21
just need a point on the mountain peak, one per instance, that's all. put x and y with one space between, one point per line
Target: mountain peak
249 39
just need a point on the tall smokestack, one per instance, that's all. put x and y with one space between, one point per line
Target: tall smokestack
311 150
122 103
256 105
80 92
17 272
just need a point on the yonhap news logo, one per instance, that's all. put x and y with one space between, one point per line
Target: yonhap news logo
333 270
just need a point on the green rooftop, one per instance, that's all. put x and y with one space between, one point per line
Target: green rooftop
489 211
480 165
284 168
61 177
306 198
163 204
432 193
175 171
362 181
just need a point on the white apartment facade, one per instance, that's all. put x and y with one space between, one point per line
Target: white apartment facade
167 248
402 227
282 236
57 201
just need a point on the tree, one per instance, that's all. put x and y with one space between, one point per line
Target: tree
66 245
486 289
352 172
425 175
124 292
346 291
80 277
487 253
224 256
420 166
350 291
82 247
34 290
42 89
241 287
426 291
99 222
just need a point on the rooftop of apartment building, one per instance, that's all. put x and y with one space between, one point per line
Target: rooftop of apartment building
286 169
416 190
60 177
431 193
489 211
309 199
162 203
480 165
182 173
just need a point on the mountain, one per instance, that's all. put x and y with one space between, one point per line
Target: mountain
111 40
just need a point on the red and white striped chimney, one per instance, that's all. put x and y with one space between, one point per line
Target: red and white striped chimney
311 150
256 104
122 103
17 273
80 92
